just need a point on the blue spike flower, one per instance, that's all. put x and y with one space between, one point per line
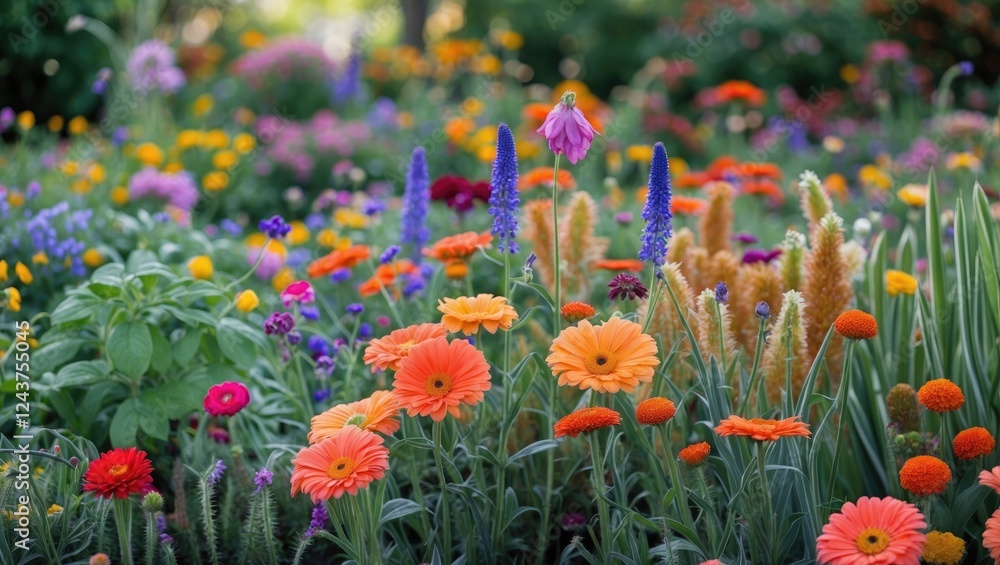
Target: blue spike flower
657 210
504 198
416 201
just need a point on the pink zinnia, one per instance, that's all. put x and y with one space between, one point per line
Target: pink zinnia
226 399
874 531
299 291
567 130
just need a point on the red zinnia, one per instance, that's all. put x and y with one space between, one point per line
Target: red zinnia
119 473
226 399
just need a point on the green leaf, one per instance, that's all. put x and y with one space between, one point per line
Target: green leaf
74 308
537 447
187 346
125 424
82 373
153 419
162 359
397 508
191 316
51 355
236 340
105 288
130 348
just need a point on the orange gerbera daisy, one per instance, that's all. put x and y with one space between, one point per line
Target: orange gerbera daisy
924 475
385 275
855 324
695 454
991 536
338 259
765 187
620 265
687 205
722 165
991 478
573 312
941 395
738 91
586 420
377 413
437 376
542 176
386 352
654 411
466 314
346 462
873 531
535 113
752 169
973 442
607 358
458 246
759 429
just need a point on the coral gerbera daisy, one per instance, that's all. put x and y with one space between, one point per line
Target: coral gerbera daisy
437 376
338 259
883 531
629 265
119 473
695 454
607 358
924 475
941 395
377 413
347 462
991 536
466 314
973 442
855 324
654 411
991 478
759 429
458 246
943 548
586 420
386 352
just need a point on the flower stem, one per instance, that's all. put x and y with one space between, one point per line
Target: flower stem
754 373
603 512
843 395
508 394
674 472
150 537
445 510
765 490
557 283
123 522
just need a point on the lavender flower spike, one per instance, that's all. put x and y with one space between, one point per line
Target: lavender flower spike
416 201
504 198
656 213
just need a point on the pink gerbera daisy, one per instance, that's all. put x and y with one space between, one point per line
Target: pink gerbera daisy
873 531
991 478
991 536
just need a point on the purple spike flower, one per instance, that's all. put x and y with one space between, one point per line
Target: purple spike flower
416 201
263 478
217 472
318 521
504 197
389 254
721 292
656 213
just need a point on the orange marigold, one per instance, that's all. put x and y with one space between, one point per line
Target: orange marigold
338 259
687 205
458 246
753 169
924 475
466 313
695 454
973 442
693 179
941 395
386 352
385 275
587 420
759 429
655 411
855 324
738 91
542 176
628 265
573 312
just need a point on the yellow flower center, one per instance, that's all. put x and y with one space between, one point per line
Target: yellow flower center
438 384
118 470
404 347
872 541
340 468
601 363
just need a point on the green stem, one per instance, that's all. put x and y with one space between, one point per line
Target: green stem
673 470
843 396
260 259
272 552
508 394
722 337
654 297
150 537
766 492
557 284
604 514
754 373
443 482
710 522
123 522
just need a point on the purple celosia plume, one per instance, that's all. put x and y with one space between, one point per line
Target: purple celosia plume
504 197
416 201
656 213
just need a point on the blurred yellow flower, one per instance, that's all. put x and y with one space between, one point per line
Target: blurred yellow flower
836 185
188 138
92 257
173 167
214 139
15 198
243 116
13 299
149 154
458 129
215 181
281 280
614 160
247 301
487 65
299 233
26 119
350 218
97 173
54 509
913 195
964 160
119 195
528 149
40 258
486 153
405 120
225 159
329 239
850 74
252 39
200 267
639 153
508 39
23 273
77 125
55 123
202 105
833 144
256 240
870 175
69 167
678 166
897 282
80 186
244 143
472 106
486 135
3 270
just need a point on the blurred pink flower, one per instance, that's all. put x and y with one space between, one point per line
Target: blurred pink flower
299 291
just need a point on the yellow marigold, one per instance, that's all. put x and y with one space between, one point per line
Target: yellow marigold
486 153
897 282
26 119
119 195
639 153
15 198
23 273
55 123
149 154
943 548
173 167
350 218
527 149
97 173
973 442
299 233
40 258
13 299
200 267
467 314
225 159
247 301
244 143
281 280
80 186
924 475
188 138
252 39
214 139
3 270
215 181
964 160
871 175
941 395
92 258
913 195
77 125
202 104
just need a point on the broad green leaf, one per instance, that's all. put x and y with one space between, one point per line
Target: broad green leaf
82 373
125 424
236 342
51 355
130 348
162 360
397 508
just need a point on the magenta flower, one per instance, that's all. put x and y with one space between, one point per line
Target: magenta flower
567 130
226 399
299 291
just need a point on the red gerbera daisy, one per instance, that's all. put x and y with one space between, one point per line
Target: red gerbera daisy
119 473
